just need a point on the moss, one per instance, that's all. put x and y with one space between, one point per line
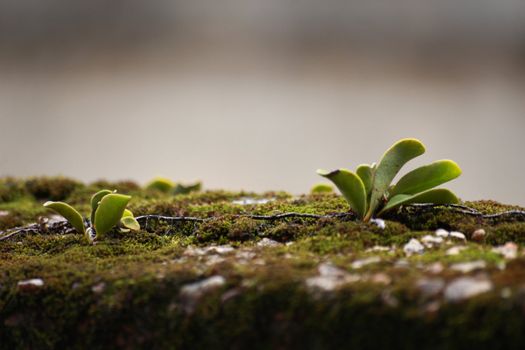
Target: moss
506 232
125 187
20 212
51 188
131 290
11 189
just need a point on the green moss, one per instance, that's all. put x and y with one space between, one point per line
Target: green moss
506 232
11 189
126 291
51 188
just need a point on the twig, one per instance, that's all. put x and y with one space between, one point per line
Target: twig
63 227
461 209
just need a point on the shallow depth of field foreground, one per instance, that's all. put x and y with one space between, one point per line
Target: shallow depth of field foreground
225 270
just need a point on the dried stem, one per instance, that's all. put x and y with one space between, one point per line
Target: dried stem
63 227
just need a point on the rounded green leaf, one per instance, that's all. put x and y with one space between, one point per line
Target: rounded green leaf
127 213
427 177
130 222
95 200
109 212
435 196
391 162
321 188
160 184
69 213
350 186
366 173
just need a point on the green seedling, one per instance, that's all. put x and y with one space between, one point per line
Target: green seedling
108 209
167 186
322 188
186 189
161 184
369 191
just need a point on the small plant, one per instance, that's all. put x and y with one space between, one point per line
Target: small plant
321 188
167 186
186 189
107 210
160 184
369 191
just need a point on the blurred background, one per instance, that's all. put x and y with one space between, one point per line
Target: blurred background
258 94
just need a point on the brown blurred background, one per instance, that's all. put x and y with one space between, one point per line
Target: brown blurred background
257 94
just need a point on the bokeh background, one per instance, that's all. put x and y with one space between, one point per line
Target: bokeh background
258 94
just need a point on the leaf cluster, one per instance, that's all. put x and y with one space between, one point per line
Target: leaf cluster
164 185
107 210
369 190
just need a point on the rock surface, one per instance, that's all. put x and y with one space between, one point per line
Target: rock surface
232 281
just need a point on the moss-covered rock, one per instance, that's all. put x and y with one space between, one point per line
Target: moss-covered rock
236 277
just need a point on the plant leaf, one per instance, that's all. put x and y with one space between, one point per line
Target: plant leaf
109 212
130 222
186 189
427 177
161 184
391 162
322 188
366 173
95 200
435 196
127 213
351 187
69 213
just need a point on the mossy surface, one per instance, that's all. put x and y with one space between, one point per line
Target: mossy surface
235 282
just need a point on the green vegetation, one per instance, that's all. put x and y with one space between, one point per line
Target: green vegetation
369 190
233 280
167 186
321 188
107 210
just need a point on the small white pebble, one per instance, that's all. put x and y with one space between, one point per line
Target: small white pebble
245 254
214 260
381 278
430 287
458 235
430 241
378 248
413 247
379 222
367 261
478 235
327 269
252 201
191 293
330 277
223 249
435 268
466 287
203 285
402 263
442 233
34 282
470 266
508 251
266 242
455 250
